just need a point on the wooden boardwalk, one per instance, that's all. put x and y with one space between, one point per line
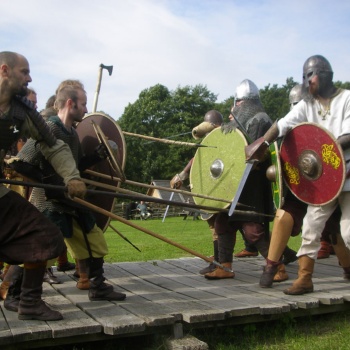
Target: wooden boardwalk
170 297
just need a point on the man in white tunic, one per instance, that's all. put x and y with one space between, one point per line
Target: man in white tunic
329 107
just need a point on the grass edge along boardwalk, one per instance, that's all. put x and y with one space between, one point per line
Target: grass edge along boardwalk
170 297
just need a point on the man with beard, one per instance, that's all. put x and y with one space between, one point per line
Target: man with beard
26 235
289 219
84 239
249 116
212 119
329 107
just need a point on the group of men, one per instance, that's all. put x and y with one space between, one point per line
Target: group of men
33 233
316 100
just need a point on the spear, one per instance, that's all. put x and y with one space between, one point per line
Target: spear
149 232
172 142
140 184
122 236
135 197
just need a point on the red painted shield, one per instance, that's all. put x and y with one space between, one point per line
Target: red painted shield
312 164
89 141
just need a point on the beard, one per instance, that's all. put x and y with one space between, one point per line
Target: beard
22 91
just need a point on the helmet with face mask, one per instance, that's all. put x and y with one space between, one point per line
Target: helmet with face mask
318 65
246 90
296 95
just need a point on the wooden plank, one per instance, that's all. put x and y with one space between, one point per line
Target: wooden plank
6 336
171 292
147 285
109 316
232 301
26 330
75 322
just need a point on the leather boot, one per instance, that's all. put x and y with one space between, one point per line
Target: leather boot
289 256
343 254
220 273
50 278
270 270
63 264
346 274
6 283
4 271
4 288
76 273
211 267
325 250
13 294
303 284
281 274
99 290
31 306
83 282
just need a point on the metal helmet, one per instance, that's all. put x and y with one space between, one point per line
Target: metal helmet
317 65
295 95
246 90
214 117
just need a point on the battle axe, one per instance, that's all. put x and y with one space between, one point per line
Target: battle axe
99 79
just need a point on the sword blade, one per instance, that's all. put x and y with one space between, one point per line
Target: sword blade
167 207
248 168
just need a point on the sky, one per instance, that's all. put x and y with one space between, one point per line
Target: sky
176 43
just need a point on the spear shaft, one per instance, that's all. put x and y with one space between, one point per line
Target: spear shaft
172 142
136 197
140 184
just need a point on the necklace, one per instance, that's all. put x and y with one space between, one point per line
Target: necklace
324 111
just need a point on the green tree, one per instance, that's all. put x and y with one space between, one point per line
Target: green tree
275 99
161 113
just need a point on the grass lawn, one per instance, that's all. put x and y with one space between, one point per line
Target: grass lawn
193 234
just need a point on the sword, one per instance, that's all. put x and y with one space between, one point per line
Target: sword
248 168
167 207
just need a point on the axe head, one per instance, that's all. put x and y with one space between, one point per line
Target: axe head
109 68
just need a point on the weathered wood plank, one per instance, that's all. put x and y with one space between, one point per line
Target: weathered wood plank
109 316
168 293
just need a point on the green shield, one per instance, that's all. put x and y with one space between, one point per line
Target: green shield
276 182
217 169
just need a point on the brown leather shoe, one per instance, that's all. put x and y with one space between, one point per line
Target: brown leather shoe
210 268
83 282
67 266
220 273
50 278
281 274
245 254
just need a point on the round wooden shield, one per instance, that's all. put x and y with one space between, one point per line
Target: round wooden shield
275 176
217 169
312 164
89 141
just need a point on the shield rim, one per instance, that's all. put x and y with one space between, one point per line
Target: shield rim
226 205
123 156
341 155
278 184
